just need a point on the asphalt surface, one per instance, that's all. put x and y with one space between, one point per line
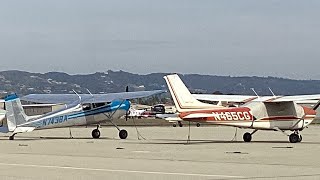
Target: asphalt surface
164 153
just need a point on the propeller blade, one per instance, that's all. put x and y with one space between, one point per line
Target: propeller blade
127 114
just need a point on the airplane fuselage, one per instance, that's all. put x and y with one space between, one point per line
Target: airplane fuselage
245 117
79 115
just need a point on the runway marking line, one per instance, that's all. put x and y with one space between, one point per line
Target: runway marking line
120 170
141 151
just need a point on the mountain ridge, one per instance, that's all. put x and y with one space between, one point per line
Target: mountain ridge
22 83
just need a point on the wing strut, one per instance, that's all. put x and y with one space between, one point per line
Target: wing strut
315 107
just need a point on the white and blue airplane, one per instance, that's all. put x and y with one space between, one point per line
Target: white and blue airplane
80 109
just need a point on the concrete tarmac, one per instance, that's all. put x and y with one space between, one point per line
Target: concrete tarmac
161 153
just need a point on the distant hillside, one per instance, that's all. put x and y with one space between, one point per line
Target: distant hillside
115 81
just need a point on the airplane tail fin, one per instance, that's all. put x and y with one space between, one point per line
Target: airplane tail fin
14 112
183 99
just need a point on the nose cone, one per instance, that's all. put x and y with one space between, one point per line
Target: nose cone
124 105
127 104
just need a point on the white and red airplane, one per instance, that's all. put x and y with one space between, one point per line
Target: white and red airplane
257 115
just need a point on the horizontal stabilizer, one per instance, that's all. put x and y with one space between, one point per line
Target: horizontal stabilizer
173 119
199 115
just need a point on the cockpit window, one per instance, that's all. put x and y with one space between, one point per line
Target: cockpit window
86 107
95 105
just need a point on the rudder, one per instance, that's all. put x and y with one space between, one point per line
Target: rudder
183 99
14 112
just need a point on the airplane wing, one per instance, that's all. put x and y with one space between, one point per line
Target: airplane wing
245 99
295 98
87 98
229 98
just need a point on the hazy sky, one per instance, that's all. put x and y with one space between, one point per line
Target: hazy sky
223 37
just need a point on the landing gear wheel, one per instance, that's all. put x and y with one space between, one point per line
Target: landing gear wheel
11 137
95 133
247 137
123 134
300 138
180 124
294 138
198 124
174 125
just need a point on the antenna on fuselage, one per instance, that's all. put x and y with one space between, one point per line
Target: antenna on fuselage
271 91
77 95
255 92
89 92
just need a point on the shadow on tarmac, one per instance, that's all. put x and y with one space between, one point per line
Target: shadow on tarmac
151 141
201 141
28 138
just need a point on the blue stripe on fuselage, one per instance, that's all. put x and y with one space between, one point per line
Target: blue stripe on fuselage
124 105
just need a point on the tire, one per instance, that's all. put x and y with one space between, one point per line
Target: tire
123 134
174 125
247 137
95 133
198 125
294 138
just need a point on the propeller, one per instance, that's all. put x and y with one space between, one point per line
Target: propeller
127 112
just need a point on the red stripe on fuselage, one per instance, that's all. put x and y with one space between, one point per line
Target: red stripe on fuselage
250 99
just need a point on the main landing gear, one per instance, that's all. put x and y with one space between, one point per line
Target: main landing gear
179 123
247 137
295 137
96 133
123 134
